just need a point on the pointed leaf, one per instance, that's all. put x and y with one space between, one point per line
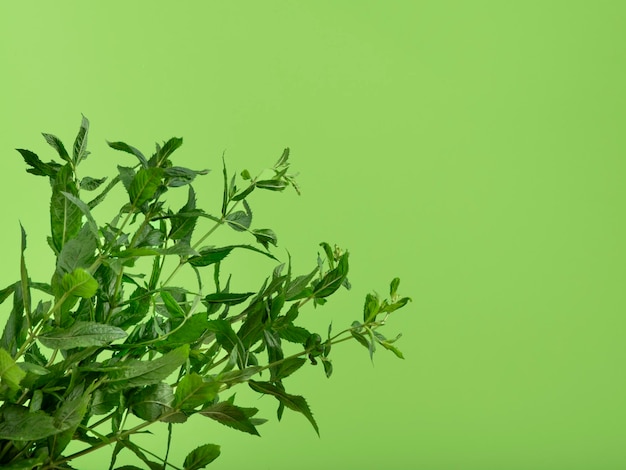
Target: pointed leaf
139 373
152 401
194 391
17 423
10 373
201 457
37 166
65 217
57 145
124 147
232 416
80 143
91 184
82 334
80 284
144 185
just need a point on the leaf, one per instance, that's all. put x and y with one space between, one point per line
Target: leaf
179 176
168 148
84 208
67 418
193 391
232 416
239 220
296 288
172 306
182 226
152 401
332 280
100 197
265 236
201 457
144 185
14 333
272 185
80 335
65 217
288 367
80 143
211 255
57 145
129 149
79 283
282 161
79 252
138 373
19 424
91 184
24 279
10 373
293 402
294 334
38 167
371 308
227 298
393 287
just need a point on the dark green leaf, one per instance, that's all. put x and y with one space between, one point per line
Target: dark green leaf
84 208
6 292
168 148
80 143
100 197
293 402
296 289
239 220
282 161
57 145
179 176
288 367
152 401
193 391
393 287
332 280
213 255
201 457
91 184
67 418
243 194
272 185
265 236
172 306
82 334
182 226
232 416
227 298
37 166
79 252
129 149
294 334
371 308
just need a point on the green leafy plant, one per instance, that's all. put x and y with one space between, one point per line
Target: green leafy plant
111 335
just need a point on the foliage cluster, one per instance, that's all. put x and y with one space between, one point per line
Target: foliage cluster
106 338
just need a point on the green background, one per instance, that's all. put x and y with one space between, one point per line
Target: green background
475 149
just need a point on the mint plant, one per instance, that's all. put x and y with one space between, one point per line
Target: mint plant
112 334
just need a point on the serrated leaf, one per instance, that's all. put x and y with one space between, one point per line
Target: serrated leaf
79 283
333 280
294 334
124 147
179 176
80 143
265 236
239 220
84 208
138 373
296 289
193 391
79 252
91 184
288 367
67 418
201 457
17 423
232 416
227 298
168 148
10 373
293 402
211 255
144 185
38 167
272 185
182 226
82 334
152 402
65 217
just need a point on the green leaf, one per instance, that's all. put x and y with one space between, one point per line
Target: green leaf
67 418
144 185
100 197
182 226
393 287
371 308
232 416
288 367
293 402
10 373
14 333
294 334
272 185
240 220
80 143
227 298
91 184
194 391
178 176
81 334
164 152
57 145
37 166
152 402
282 161
201 457
19 424
79 252
172 306
79 283
332 280
24 279
296 289
138 373
84 208
65 217
265 236
129 149
211 255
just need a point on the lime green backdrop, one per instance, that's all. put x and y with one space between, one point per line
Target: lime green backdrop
476 149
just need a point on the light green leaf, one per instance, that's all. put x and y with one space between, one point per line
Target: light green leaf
201 457
194 391
82 334
79 283
10 373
